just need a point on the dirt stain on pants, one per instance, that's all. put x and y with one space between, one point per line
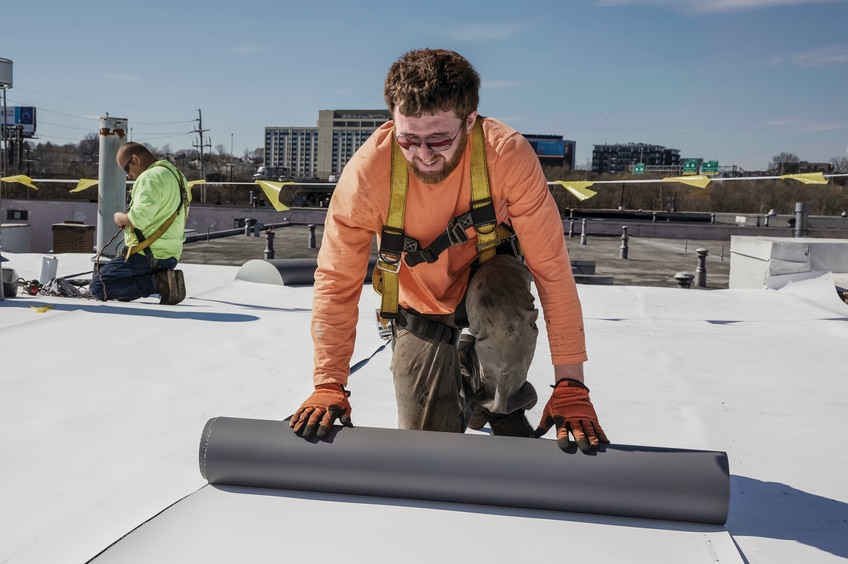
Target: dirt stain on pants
502 317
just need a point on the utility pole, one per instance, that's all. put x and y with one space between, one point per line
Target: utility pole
5 84
200 145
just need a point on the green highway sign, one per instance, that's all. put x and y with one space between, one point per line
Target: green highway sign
639 168
710 167
690 166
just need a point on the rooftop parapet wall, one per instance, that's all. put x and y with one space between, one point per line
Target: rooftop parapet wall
772 262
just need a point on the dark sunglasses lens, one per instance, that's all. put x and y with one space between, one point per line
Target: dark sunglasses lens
407 143
439 145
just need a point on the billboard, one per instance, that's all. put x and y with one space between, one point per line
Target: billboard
5 73
23 116
549 147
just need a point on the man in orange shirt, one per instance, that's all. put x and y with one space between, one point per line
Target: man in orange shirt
446 380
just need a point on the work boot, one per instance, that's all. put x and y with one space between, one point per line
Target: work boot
178 289
478 419
162 287
513 424
171 286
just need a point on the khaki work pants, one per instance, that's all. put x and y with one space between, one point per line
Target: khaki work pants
502 318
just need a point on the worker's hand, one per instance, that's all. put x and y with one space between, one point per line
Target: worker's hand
122 219
570 409
326 404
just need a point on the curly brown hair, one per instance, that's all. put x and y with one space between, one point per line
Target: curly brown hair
432 80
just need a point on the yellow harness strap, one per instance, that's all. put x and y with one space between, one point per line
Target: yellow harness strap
385 277
389 258
131 250
487 236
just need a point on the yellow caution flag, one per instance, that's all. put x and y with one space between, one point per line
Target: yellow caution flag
577 188
696 181
84 184
808 178
272 192
20 179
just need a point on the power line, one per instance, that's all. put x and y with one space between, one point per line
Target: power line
104 102
163 122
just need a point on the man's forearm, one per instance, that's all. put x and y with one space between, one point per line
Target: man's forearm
572 371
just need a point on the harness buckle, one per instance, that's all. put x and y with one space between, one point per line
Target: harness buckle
428 254
516 247
456 232
389 262
487 246
385 327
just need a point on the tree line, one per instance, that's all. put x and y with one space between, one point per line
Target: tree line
81 160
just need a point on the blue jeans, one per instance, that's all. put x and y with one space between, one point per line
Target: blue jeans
128 279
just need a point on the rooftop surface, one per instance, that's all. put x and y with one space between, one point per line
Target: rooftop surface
103 406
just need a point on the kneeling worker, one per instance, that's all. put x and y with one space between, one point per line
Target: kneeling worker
154 232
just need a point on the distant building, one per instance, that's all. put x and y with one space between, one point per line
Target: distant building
620 158
803 167
553 149
323 151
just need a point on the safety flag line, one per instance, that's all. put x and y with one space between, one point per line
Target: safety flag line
272 192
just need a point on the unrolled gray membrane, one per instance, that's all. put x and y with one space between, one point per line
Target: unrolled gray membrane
618 480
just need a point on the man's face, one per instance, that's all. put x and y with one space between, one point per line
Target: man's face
448 134
129 165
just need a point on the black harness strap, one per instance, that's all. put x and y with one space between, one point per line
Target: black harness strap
427 328
482 214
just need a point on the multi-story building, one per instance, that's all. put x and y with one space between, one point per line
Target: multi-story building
321 152
620 158
306 153
553 149
803 167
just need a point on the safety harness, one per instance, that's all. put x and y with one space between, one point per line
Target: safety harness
395 246
145 242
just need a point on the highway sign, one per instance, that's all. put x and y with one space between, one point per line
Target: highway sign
690 166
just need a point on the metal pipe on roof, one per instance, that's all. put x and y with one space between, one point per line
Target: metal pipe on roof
112 184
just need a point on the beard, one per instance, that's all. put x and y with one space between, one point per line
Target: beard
434 177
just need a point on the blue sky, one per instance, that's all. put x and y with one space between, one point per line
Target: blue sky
737 81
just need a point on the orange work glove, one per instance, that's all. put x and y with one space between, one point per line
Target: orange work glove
570 409
326 404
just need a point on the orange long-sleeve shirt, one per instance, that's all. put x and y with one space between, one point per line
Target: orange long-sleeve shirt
359 209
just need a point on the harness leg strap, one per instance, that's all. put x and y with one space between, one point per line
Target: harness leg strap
427 328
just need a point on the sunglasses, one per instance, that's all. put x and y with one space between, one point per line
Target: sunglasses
127 166
437 144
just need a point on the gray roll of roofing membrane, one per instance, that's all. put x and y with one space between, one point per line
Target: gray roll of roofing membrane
301 271
618 480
